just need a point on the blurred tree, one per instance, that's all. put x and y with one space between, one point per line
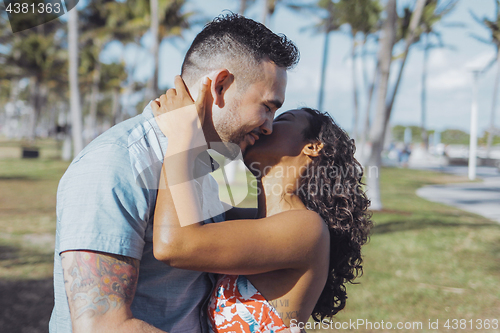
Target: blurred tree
454 136
483 141
37 54
172 21
371 27
153 90
434 11
111 80
416 133
362 16
75 104
268 10
384 107
494 29
105 21
329 21
244 5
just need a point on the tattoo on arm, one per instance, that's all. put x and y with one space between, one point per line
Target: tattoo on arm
283 304
98 282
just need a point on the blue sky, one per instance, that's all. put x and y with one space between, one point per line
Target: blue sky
449 80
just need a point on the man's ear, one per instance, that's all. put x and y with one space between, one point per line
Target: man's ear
312 149
221 81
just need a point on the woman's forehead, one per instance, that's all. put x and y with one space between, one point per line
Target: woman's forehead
294 112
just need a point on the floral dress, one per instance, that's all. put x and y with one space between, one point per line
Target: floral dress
237 306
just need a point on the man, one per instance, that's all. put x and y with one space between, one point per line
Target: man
106 278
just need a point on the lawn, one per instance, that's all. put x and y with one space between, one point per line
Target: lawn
425 261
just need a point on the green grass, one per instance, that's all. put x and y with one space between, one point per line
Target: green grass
27 216
424 260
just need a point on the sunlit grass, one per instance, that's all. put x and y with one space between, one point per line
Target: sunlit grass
425 260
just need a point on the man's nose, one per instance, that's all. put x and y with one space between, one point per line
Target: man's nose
267 127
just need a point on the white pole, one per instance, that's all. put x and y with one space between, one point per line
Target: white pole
473 130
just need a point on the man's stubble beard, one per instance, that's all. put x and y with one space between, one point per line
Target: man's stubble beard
228 126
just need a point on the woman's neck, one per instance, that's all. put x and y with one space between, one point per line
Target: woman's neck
277 194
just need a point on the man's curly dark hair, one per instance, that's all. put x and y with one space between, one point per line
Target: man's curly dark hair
332 187
239 44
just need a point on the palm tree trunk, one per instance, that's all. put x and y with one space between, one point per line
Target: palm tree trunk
355 90
243 7
377 132
491 131
91 126
366 127
76 112
35 108
379 128
153 83
423 97
265 12
415 20
324 64
115 109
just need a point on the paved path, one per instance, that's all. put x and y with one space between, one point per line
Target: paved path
481 198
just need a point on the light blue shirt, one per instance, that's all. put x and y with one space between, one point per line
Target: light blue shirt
105 202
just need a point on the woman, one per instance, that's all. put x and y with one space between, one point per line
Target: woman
296 258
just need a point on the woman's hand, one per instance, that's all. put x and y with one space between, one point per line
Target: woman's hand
181 119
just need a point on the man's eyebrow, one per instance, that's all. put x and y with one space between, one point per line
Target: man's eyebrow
276 103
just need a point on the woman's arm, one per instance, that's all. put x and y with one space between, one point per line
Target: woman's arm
285 240
282 241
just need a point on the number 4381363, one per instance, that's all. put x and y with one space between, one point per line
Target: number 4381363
40 8
478 324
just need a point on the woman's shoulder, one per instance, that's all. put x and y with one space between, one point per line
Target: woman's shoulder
304 216
306 223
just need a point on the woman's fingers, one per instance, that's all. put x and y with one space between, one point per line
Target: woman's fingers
180 87
203 97
171 93
155 107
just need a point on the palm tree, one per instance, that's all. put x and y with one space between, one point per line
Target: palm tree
329 21
494 28
171 22
432 14
384 107
244 5
361 16
112 77
268 10
370 28
105 21
37 54
377 132
75 105
155 47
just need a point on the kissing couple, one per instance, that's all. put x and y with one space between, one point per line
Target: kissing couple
143 242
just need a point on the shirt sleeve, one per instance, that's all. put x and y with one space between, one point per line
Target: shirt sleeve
100 204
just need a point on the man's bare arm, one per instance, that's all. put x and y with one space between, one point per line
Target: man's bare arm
100 288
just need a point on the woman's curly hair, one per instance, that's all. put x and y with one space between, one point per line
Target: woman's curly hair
332 187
